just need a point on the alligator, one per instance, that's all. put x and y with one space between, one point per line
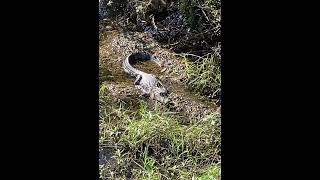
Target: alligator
148 83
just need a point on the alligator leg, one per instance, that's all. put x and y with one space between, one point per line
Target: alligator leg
138 79
145 93
151 95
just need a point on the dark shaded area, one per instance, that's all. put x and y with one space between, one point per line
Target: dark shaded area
184 26
105 156
139 56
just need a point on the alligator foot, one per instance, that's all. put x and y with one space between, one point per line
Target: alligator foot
138 79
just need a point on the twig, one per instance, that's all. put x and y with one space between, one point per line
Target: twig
139 165
188 54
205 15
153 23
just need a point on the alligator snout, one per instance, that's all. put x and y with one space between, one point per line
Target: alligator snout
161 97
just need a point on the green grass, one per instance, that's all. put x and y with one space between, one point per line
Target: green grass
152 144
204 74
213 173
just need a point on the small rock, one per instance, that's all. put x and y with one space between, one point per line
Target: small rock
108 28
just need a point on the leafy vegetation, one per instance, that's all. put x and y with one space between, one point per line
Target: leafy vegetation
204 74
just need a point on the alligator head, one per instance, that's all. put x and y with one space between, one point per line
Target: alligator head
152 87
159 93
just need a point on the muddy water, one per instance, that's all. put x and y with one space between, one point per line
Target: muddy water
109 67
148 67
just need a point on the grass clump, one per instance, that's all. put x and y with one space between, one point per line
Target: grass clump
213 173
204 74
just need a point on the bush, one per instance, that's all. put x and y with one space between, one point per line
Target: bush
204 74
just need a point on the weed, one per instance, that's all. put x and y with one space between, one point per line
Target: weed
213 173
204 75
